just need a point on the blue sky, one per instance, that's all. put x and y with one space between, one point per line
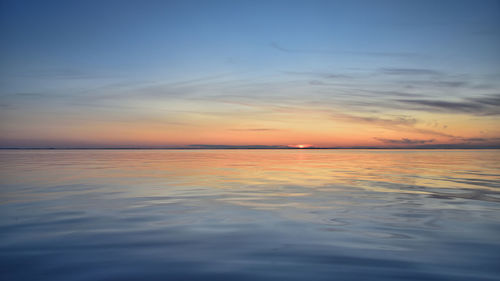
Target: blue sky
69 67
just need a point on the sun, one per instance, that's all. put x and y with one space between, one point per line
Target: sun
299 145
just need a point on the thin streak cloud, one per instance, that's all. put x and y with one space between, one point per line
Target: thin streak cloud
409 71
255 130
281 48
488 105
404 141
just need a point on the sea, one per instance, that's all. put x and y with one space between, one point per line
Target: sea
255 214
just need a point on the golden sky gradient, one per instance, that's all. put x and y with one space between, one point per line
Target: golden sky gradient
399 75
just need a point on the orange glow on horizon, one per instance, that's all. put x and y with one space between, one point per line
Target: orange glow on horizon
297 129
300 145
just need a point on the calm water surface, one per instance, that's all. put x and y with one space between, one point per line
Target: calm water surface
249 215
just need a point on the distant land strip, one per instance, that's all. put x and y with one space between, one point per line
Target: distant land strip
257 147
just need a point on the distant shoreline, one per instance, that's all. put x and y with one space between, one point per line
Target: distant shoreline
249 148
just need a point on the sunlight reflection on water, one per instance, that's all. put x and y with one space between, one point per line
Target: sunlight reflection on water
249 214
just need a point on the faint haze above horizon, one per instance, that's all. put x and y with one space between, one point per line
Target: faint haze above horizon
236 74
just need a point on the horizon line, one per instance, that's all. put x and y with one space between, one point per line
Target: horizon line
255 148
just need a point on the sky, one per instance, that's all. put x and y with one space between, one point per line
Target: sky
245 73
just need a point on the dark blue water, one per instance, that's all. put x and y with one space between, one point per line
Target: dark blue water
249 215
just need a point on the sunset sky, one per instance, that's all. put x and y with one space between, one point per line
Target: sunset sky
209 73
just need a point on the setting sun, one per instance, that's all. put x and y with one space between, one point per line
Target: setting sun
300 145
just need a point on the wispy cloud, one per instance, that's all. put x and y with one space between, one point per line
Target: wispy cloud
255 130
430 132
437 83
492 100
389 93
398 120
62 73
397 123
318 74
409 71
481 140
282 48
404 141
487 105
440 105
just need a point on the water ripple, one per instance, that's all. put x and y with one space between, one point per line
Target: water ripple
249 215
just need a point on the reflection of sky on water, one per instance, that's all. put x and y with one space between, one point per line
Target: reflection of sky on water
249 214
